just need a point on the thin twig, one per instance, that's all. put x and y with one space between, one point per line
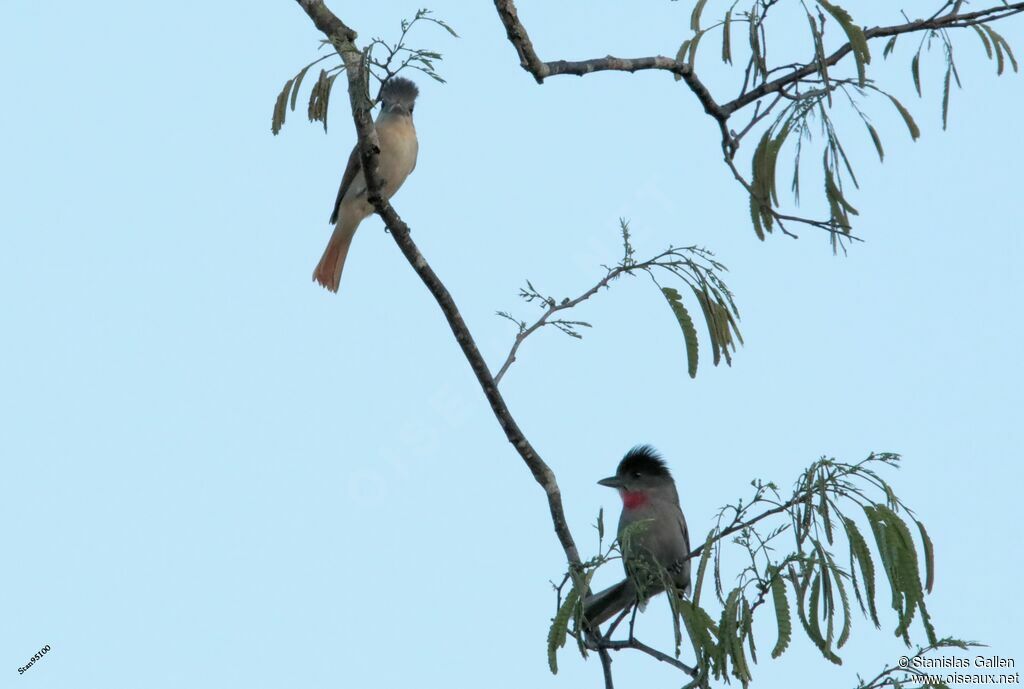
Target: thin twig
528 58
555 307
653 652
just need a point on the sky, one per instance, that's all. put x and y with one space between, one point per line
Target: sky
217 474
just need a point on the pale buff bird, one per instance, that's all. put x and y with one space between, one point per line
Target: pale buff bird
398 149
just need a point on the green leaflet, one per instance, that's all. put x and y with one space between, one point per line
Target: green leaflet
700 627
860 553
686 323
560 624
945 94
915 133
727 39
889 46
280 108
899 558
747 628
782 615
929 557
858 41
878 529
810 621
730 637
559 629
877 141
909 571
1000 45
984 40
755 217
915 71
819 53
711 317
705 554
695 16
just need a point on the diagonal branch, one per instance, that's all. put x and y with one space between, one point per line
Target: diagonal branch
341 36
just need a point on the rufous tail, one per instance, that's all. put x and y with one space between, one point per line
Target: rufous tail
328 271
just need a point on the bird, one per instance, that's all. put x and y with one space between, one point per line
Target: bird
658 544
398 150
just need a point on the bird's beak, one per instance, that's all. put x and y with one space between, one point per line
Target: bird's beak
611 482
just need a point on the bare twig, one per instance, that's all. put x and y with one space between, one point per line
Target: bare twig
541 70
653 652
555 307
606 667
341 36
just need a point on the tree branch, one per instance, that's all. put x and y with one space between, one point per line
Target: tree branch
948 21
644 648
555 307
342 37
541 70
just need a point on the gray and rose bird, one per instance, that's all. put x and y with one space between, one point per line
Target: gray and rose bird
652 534
397 158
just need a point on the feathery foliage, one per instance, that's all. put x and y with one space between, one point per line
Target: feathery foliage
381 59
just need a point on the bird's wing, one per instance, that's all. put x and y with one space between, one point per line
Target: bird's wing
351 170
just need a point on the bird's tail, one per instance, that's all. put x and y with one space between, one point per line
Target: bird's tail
602 606
328 271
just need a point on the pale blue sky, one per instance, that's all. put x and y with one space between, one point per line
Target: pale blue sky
215 474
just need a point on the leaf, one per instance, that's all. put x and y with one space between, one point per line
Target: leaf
855 34
728 638
929 557
810 625
1000 45
686 323
844 633
755 217
443 25
280 107
889 46
945 95
681 56
984 40
747 628
705 553
727 38
819 52
692 57
915 133
875 139
756 54
699 627
559 629
915 71
695 15
782 615
860 553
709 319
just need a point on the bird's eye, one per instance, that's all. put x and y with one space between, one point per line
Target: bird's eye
636 474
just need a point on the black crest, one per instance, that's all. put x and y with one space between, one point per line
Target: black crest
399 90
643 459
